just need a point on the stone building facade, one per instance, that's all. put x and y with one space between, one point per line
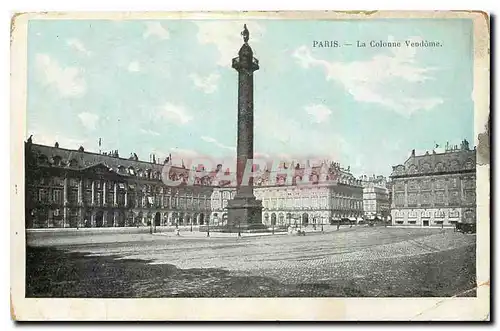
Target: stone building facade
375 198
75 188
336 196
435 189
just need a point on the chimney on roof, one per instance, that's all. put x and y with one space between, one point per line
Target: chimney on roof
56 145
465 145
413 152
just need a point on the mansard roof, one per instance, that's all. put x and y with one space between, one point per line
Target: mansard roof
333 174
429 163
81 160
86 159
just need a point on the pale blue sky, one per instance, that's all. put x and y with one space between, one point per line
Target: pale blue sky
166 86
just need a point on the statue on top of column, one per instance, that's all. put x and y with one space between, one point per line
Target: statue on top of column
245 33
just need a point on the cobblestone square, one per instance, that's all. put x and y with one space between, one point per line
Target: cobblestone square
362 261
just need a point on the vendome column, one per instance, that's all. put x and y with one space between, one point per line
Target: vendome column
245 211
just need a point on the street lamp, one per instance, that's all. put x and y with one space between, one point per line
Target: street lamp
208 228
191 223
272 223
239 227
322 221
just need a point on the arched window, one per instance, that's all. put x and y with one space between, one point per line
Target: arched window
273 219
281 219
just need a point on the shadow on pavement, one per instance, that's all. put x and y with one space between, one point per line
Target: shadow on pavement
52 272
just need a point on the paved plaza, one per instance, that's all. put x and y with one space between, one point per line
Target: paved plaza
358 261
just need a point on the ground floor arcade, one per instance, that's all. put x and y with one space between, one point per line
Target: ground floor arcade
50 217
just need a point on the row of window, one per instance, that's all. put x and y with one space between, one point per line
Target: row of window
426 223
428 213
438 184
299 203
438 198
375 196
54 182
56 196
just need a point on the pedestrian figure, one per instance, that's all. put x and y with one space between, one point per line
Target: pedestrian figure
177 232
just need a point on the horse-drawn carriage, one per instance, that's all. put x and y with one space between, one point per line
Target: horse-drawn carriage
468 223
465 227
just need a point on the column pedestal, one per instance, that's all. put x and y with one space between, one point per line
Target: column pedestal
244 214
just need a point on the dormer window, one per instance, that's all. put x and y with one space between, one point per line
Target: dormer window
56 160
42 159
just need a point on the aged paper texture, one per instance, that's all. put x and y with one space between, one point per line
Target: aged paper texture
218 166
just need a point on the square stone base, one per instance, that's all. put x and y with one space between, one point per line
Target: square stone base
244 213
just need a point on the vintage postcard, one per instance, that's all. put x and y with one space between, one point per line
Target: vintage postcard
320 166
